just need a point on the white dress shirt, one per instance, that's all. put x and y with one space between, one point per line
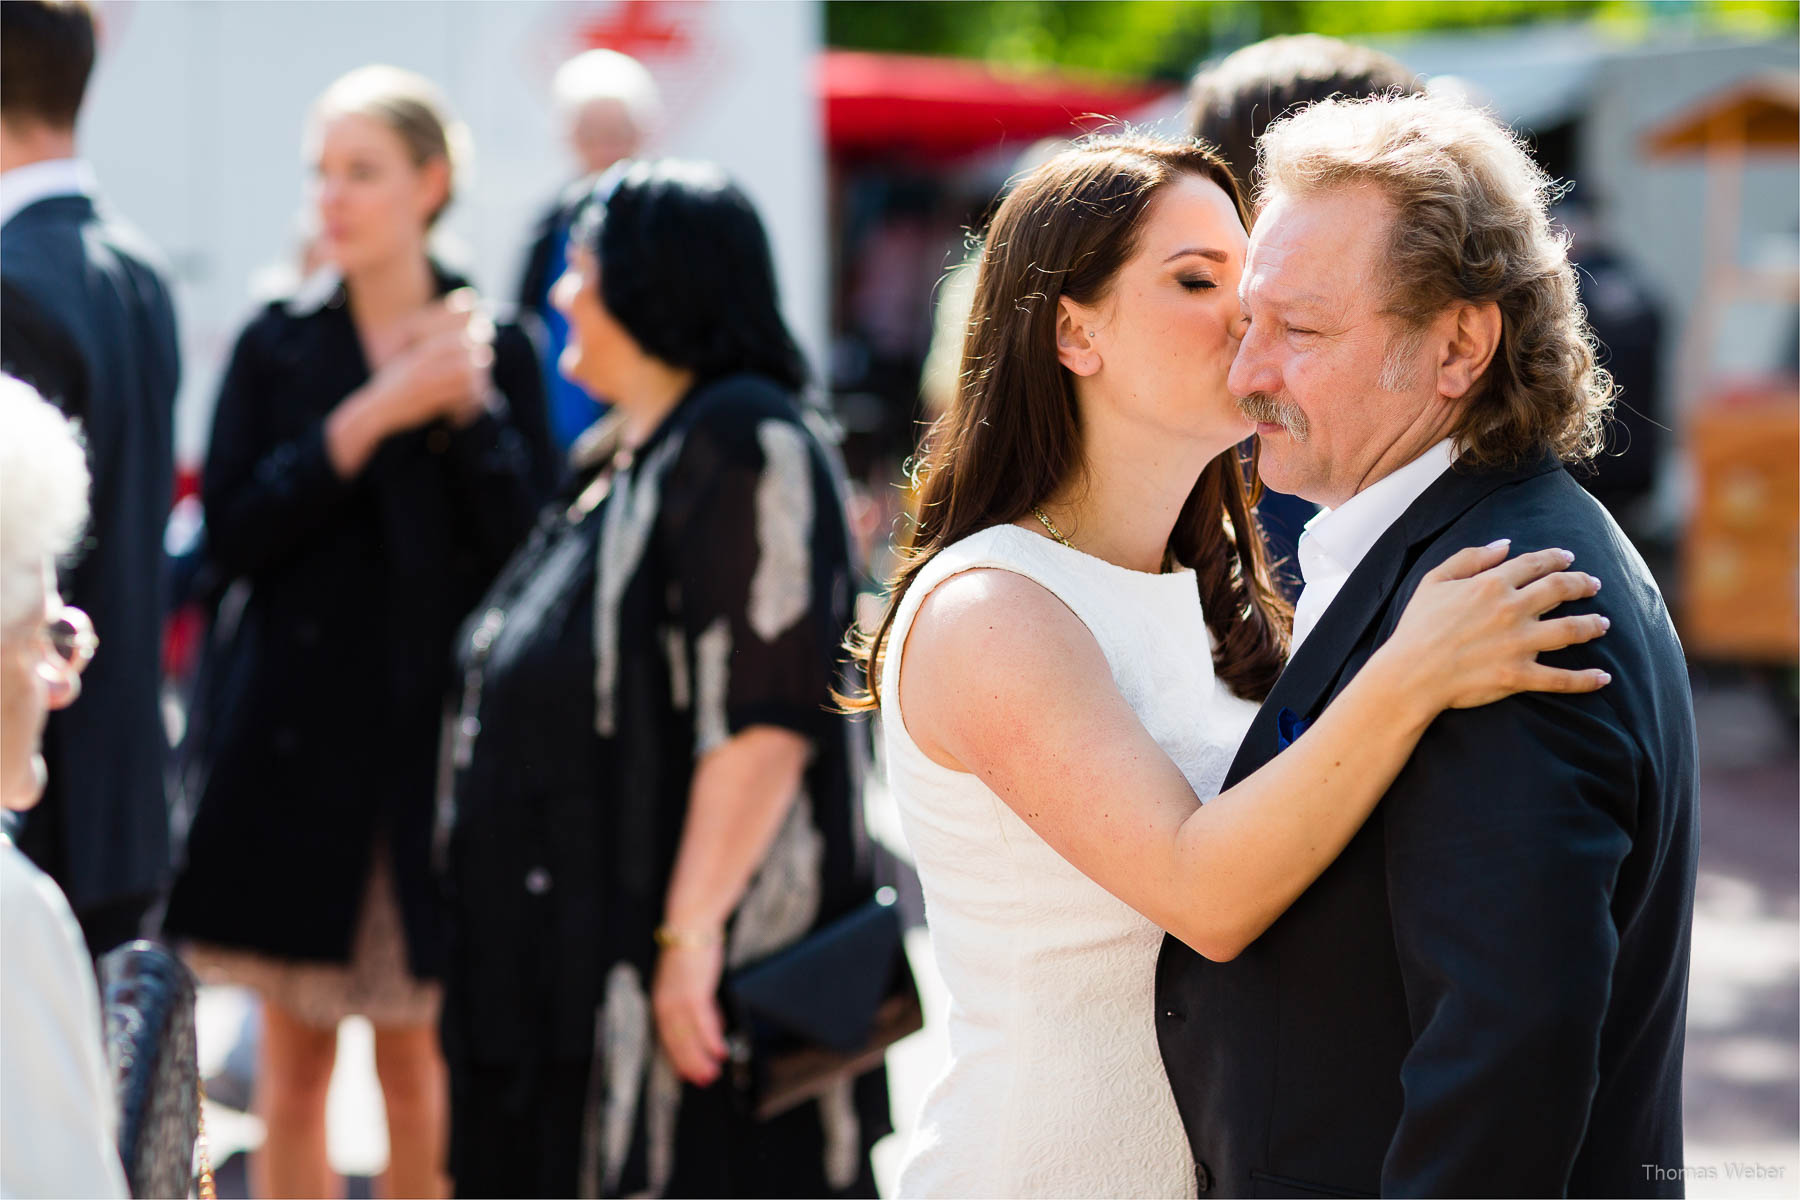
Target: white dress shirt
26 185
1335 541
58 1113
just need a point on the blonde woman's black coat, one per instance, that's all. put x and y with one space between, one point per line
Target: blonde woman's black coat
332 650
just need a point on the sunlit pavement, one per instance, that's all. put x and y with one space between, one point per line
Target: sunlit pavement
1742 1082
1742 1085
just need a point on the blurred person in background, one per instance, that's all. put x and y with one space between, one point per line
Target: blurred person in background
608 106
377 452
649 788
1229 105
58 1115
86 319
1627 322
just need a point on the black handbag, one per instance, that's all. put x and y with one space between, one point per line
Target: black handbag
148 996
824 1009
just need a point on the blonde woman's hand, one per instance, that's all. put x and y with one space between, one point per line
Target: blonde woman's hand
440 371
444 370
684 998
1472 632
476 329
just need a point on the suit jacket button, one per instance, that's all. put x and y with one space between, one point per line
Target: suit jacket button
1202 1178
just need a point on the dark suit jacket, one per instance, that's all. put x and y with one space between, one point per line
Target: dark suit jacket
87 320
1486 993
324 689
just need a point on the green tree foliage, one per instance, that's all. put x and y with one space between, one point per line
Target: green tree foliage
1166 38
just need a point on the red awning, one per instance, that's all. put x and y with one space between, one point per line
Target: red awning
896 105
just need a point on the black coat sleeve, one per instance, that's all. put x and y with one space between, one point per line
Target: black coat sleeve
265 490
502 463
1505 835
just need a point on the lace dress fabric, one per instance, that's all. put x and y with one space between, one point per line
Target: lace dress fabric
679 593
376 983
1054 1086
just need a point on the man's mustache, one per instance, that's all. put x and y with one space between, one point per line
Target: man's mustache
1274 410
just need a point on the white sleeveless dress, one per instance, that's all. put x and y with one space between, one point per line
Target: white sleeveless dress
1055 1086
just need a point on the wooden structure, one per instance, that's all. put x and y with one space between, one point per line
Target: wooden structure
1741 547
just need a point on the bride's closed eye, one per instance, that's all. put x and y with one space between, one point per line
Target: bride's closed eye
1195 285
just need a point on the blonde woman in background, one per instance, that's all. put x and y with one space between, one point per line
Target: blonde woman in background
378 450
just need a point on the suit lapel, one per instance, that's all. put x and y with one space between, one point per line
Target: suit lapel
1313 672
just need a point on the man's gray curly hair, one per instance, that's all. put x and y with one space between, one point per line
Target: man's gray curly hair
1470 224
43 496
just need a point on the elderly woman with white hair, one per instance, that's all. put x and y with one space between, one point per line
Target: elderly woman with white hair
57 1116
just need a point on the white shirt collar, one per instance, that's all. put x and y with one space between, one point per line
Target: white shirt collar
1344 534
24 186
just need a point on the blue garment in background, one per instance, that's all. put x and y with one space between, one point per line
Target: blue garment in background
1283 517
571 408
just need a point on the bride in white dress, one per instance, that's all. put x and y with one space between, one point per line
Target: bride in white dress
1073 649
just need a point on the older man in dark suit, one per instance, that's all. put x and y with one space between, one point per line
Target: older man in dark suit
86 319
1486 994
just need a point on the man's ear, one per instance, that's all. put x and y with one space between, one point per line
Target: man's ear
1474 336
1075 347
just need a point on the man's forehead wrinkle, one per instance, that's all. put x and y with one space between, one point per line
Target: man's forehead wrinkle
1275 293
1288 256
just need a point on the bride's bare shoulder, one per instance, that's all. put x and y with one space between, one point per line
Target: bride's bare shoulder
991 659
987 603
998 629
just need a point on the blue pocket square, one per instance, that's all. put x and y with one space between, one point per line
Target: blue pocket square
1287 728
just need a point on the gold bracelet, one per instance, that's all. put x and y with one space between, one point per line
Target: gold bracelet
675 937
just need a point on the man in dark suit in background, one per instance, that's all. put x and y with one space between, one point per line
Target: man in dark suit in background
1486 994
1230 103
86 319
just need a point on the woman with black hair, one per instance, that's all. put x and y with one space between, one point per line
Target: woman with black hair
647 785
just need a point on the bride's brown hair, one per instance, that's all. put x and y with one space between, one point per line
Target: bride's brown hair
1012 435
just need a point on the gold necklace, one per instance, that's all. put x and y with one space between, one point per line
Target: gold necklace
1054 531
1168 562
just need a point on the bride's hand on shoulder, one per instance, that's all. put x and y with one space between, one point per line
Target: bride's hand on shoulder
1475 626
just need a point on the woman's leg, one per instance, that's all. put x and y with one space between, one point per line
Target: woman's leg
414 1084
290 1096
